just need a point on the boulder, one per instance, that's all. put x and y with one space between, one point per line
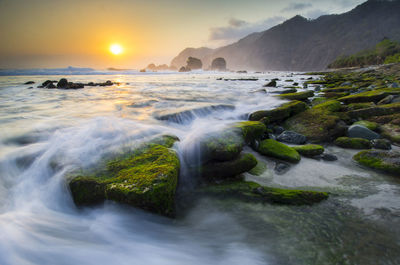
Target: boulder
309 149
50 85
63 83
359 131
251 130
194 63
373 126
297 96
329 157
386 100
280 113
218 64
381 144
368 96
184 69
29 83
146 178
221 146
380 110
385 161
291 137
353 143
253 192
275 149
271 84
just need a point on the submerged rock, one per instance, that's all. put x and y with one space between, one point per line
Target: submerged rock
281 168
381 144
252 130
291 137
386 161
222 146
278 150
329 157
309 149
271 84
29 83
146 178
254 192
353 143
359 131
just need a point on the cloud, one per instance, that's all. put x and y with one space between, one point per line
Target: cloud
296 7
237 29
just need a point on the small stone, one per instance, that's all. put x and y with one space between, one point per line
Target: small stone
291 137
281 168
29 83
271 84
386 100
328 157
381 144
359 131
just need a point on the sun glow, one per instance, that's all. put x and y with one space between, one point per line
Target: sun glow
116 49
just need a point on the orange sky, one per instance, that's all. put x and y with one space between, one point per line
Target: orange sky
56 33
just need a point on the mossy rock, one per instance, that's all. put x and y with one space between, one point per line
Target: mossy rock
216 170
340 89
386 161
368 96
335 95
356 106
309 149
391 131
317 101
380 110
222 146
298 96
330 105
272 148
280 113
259 169
373 126
353 143
254 192
251 130
146 178
318 124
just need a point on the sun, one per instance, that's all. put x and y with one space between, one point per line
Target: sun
116 49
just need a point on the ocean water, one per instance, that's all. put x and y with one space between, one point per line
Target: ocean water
46 133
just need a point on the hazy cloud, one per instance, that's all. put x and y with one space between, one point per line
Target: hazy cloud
296 7
237 29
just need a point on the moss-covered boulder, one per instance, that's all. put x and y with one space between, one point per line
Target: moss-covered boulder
309 149
373 126
356 106
318 124
340 89
253 192
272 148
215 170
222 145
380 110
251 130
298 96
353 143
386 161
280 113
146 178
368 96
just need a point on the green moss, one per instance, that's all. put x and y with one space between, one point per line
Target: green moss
317 101
368 124
335 95
222 146
251 130
356 106
369 96
215 170
251 191
392 132
259 169
340 89
297 96
386 161
146 178
380 110
309 149
330 105
280 113
353 143
278 150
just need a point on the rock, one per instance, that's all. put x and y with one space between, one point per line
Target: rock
63 83
347 83
285 91
386 100
193 63
251 130
317 88
215 170
380 110
218 64
291 137
278 150
45 83
298 96
184 69
329 157
373 126
146 178
278 130
50 85
394 85
221 146
386 161
381 144
368 96
280 113
253 192
75 85
259 169
29 83
309 150
353 143
359 131
281 168
295 84
271 84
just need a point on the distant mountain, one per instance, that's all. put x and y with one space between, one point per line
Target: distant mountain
299 44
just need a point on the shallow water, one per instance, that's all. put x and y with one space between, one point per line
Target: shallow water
46 133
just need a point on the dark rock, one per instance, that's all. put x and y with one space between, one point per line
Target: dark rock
386 100
194 63
63 83
271 84
184 69
45 83
328 157
218 64
394 85
29 83
359 131
295 84
381 144
292 137
281 168
386 161
278 130
50 85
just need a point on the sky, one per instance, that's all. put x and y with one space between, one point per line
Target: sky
60 33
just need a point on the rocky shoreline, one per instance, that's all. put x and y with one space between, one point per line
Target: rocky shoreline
357 109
